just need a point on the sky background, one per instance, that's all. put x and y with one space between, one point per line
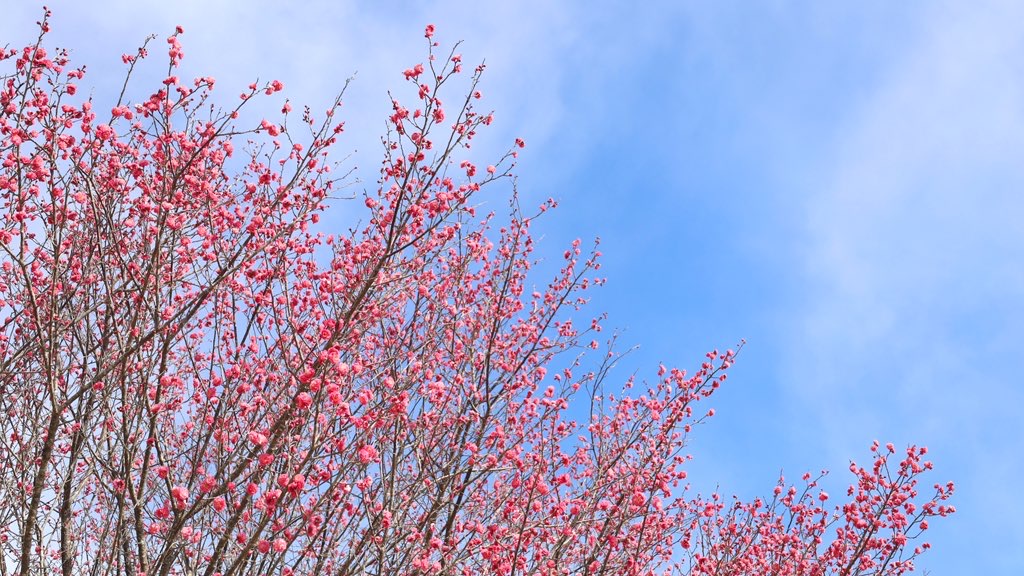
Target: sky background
838 183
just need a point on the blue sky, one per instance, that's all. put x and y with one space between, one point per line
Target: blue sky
838 183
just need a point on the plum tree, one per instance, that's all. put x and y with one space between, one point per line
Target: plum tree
197 379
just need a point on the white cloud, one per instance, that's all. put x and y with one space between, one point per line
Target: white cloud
920 222
915 261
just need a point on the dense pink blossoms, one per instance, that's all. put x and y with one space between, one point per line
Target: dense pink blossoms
195 379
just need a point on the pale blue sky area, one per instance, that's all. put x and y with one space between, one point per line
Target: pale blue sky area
838 183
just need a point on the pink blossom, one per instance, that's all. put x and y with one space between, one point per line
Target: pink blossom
367 454
179 493
271 129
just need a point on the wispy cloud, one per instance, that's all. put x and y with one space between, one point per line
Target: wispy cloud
914 324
